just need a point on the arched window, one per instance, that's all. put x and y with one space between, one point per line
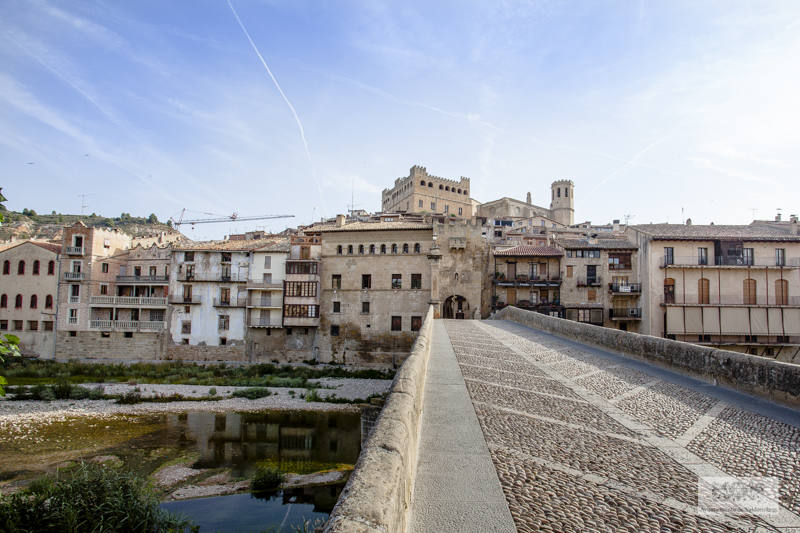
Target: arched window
51 268
416 248
36 268
566 192
405 248
781 292
339 250
350 249
372 248
4 301
430 184
383 248
34 301
669 291
702 291
6 267
21 268
465 192
441 187
558 192
422 183
749 291
459 191
447 188
18 302
361 249
48 301
394 248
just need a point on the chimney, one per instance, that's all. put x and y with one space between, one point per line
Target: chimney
778 217
528 199
795 229
340 221
615 225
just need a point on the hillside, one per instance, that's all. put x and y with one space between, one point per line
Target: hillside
28 224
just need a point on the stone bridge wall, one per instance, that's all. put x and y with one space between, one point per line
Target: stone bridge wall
378 495
774 380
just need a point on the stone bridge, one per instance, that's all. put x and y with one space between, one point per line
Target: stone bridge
517 429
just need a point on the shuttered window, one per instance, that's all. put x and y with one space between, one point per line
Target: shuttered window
749 288
702 291
781 292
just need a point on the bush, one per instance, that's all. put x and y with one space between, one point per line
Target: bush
97 393
253 393
313 396
266 479
129 398
212 391
79 393
62 390
89 498
42 392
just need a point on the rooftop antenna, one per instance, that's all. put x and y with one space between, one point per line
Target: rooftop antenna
628 217
84 205
754 210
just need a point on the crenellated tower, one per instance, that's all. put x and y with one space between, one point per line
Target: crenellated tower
562 203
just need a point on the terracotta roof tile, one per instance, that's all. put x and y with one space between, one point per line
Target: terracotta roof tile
528 250
707 232
374 226
597 244
226 246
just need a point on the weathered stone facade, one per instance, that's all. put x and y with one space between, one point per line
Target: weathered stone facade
421 192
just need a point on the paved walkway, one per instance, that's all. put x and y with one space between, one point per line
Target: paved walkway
586 440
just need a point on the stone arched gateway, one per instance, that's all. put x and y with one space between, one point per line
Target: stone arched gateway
456 306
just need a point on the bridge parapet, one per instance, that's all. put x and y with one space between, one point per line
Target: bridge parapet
774 380
378 495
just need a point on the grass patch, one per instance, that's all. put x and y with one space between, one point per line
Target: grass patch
88 498
266 479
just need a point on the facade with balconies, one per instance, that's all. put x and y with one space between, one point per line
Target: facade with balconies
301 293
528 277
736 287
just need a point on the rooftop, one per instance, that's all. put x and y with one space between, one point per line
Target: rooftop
533 251
397 225
754 232
229 246
597 244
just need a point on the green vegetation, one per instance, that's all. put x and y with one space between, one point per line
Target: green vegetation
266 479
88 498
33 372
61 391
253 393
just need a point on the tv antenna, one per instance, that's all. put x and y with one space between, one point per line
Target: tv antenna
628 217
84 205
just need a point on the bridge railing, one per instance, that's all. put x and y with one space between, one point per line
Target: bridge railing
377 496
760 376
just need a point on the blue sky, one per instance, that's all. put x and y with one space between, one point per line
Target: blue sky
650 107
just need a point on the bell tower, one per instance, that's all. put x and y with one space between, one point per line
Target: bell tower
562 203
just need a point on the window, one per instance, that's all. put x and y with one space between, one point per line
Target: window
566 193
702 291
225 272
339 250
47 325
188 257
558 192
18 302
420 203
4 325
397 323
334 330
7 264
416 248
186 327
21 268
749 290
446 208
669 291
371 248
416 323
223 322
36 268
780 257
33 325
748 256
397 281
366 281
361 249
128 334
422 183
18 325
267 261
669 255
223 341
336 281
416 281
459 211
569 271
4 301
702 256
34 301
619 261
383 248
592 295
48 301
441 187
350 249
187 293
394 248
337 307
51 268
103 290
781 292
301 311
305 288
433 206
225 257
104 268
266 277
430 184
225 295
364 308
189 271
405 248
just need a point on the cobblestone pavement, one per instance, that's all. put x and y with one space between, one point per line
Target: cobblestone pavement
582 442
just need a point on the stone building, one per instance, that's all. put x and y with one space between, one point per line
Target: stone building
601 283
421 192
528 277
28 295
735 287
560 214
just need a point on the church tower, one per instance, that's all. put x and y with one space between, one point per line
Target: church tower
562 204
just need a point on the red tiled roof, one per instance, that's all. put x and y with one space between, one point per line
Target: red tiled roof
528 250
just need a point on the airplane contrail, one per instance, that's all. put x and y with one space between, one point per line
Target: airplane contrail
283 95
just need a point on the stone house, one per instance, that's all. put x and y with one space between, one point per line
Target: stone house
420 192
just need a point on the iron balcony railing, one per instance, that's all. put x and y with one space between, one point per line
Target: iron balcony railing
733 261
732 300
74 250
230 302
73 276
128 300
589 282
185 300
625 288
142 279
625 313
128 325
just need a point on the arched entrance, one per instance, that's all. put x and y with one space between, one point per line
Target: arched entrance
456 307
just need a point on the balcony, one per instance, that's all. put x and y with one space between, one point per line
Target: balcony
303 267
761 300
127 325
265 303
212 278
133 301
185 300
264 285
625 313
74 299
73 250
73 276
589 282
73 320
264 323
625 289
231 302
523 280
728 261
161 280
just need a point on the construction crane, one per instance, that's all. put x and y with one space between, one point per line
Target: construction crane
231 218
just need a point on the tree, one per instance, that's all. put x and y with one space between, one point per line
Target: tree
152 219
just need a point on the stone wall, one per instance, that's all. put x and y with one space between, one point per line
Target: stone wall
378 495
93 345
777 381
188 352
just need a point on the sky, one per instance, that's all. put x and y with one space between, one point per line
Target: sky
658 111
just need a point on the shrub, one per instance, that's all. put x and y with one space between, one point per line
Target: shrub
62 390
129 398
79 393
88 498
42 392
252 393
266 479
212 391
97 393
313 396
